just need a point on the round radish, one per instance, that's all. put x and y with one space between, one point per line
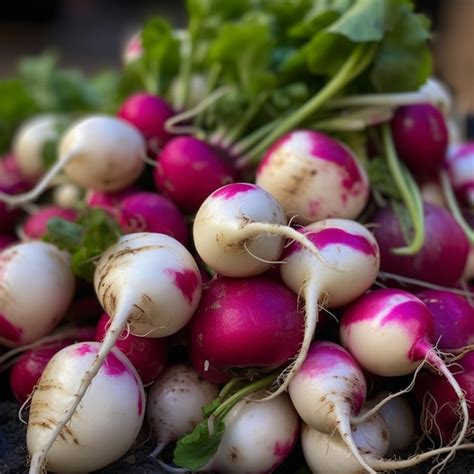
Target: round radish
67 195
106 423
36 288
36 225
109 202
460 164
314 177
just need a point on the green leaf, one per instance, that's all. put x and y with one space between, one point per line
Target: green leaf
194 450
210 408
381 179
64 234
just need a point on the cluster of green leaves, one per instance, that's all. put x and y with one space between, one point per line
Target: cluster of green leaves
85 239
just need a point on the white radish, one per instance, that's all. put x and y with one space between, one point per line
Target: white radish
175 402
258 436
240 230
67 195
147 280
106 423
36 288
100 152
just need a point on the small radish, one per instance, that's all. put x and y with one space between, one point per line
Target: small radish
239 230
100 152
109 202
150 212
460 164
106 423
149 114
36 288
133 49
328 389
189 169
175 401
389 333
36 225
314 177
244 323
147 354
67 195
258 436
149 281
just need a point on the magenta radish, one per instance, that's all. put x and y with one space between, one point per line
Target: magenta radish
174 405
148 281
390 333
189 169
147 354
36 225
453 318
106 423
150 212
328 389
149 114
314 177
421 138
240 229
100 152
242 323
36 288
447 247
460 164
258 436
27 370
109 202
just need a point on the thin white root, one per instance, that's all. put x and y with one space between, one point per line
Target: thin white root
158 449
271 262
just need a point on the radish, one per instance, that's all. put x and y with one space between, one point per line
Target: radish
109 202
389 332
67 195
150 212
447 246
241 323
149 114
314 177
36 225
453 318
421 137
99 152
133 49
460 164
352 254
258 436
29 141
233 230
175 401
189 169
149 281
105 424
328 389
147 354
36 288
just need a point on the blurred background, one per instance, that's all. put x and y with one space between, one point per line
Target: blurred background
89 34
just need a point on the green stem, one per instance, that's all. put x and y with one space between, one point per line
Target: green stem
408 191
212 80
228 387
358 60
454 206
240 147
184 73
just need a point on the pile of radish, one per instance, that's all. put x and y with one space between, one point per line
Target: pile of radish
248 262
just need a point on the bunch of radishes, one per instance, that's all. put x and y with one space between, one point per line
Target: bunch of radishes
218 264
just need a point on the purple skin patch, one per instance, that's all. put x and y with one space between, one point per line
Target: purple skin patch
84 349
335 236
186 281
8 330
231 190
282 449
113 366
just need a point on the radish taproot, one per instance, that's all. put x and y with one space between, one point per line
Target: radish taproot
99 432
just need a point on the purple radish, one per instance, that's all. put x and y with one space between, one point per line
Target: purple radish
390 333
421 138
460 164
150 212
314 177
447 247
36 225
188 170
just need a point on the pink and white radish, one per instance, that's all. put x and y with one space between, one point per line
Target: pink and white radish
389 333
132 49
240 230
314 177
36 288
149 281
36 225
258 436
352 257
105 424
460 165
100 152
175 401
244 323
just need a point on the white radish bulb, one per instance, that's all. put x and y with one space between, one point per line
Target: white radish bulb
107 421
67 195
36 288
175 402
